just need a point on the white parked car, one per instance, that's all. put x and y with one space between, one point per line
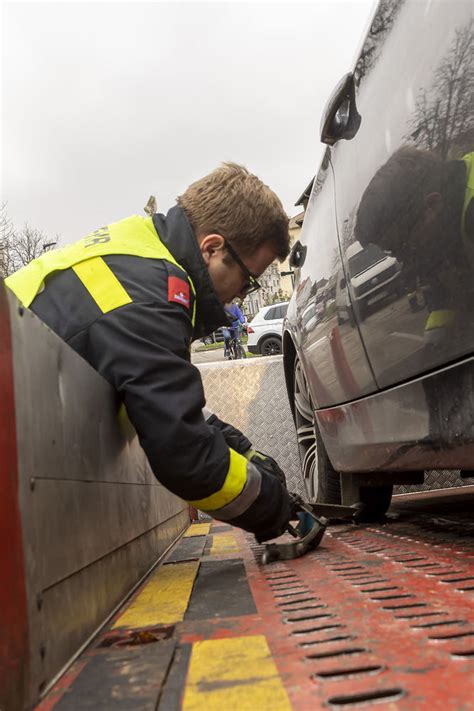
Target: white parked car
265 329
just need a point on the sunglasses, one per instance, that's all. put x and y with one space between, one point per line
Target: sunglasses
251 283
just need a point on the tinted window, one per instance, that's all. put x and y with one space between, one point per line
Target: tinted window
271 314
283 309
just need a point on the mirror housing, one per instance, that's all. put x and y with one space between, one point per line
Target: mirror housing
340 116
297 255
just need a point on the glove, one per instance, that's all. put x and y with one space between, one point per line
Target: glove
234 438
264 462
276 525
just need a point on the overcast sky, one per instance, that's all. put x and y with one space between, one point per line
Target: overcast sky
106 103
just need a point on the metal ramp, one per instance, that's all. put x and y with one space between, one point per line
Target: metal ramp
378 615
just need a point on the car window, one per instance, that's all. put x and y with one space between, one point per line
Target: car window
283 309
270 314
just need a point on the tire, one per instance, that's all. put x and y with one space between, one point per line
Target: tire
240 351
376 500
322 482
271 345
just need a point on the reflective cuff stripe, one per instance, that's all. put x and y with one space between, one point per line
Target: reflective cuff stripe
207 413
102 284
234 483
248 495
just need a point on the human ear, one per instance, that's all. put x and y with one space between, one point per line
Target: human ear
209 245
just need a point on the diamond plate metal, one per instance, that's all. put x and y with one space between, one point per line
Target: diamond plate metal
251 395
435 479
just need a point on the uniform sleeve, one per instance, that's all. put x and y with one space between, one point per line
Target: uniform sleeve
142 349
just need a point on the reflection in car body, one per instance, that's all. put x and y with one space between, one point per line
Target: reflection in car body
374 276
380 394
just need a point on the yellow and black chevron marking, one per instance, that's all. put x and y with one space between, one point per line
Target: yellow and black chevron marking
189 639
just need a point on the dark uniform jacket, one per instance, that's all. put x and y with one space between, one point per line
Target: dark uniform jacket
131 317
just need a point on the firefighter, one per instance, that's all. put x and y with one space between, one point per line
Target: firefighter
132 296
421 208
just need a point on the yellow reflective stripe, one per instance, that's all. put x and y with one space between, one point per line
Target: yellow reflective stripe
102 284
164 600
197 529
232 487
440 319
224 543
234 673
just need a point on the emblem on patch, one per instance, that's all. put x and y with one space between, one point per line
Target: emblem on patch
178 291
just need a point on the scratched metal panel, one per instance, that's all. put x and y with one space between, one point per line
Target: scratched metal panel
94 518
251 395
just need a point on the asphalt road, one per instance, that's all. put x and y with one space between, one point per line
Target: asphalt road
210 356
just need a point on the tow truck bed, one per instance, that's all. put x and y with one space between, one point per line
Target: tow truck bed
377 614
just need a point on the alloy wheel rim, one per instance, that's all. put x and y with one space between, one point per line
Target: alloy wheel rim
305 433
271 347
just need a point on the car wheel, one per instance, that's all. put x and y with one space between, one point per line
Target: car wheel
321 481
270 346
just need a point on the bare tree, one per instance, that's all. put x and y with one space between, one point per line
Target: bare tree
380 27
6 236
27 244
443 116
19 246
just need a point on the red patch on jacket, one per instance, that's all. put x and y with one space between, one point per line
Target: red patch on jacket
178 291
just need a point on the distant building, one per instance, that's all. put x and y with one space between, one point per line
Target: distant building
277 280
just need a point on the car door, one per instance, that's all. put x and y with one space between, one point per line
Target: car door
328 344
404 187
273 321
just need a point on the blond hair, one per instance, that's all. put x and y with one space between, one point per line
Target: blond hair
232 202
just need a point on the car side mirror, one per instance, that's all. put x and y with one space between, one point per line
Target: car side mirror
340 116
297 255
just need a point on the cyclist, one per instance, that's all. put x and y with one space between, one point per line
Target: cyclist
237 320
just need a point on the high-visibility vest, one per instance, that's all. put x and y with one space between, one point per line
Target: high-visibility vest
135 236
445 318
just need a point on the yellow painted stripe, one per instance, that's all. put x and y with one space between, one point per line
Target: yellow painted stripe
231 488
102 284
164 600
197 529
236 673
224 543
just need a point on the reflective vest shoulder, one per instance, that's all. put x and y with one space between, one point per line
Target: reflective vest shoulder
135 236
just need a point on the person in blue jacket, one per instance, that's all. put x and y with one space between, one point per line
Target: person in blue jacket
237 319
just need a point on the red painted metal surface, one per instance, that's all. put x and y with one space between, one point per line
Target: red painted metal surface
13 609
380 615
374 615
